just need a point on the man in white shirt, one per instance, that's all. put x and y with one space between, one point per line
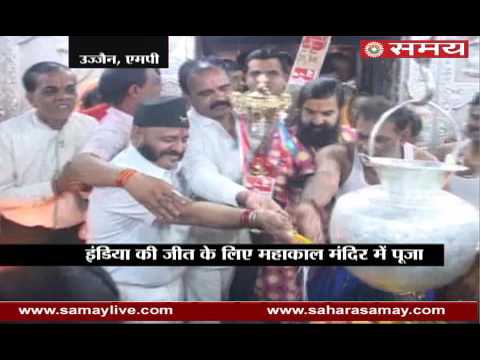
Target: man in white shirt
159 140
214 167
35 204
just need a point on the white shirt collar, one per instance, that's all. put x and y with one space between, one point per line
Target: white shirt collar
203 120
119 113
200 120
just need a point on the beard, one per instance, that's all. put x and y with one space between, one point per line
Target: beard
318 136
149 153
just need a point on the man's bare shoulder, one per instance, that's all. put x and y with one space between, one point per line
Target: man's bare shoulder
422 154
443 150
334 150
336 156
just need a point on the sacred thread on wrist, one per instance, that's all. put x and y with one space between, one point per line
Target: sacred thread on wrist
124 176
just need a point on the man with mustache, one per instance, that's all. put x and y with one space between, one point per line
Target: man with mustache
214 167
313 125
36 205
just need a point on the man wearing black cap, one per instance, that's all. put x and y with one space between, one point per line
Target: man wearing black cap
159 140
124 90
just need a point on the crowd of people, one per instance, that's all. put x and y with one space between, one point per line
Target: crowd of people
135 166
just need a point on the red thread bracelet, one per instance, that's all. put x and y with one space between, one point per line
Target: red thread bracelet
124 176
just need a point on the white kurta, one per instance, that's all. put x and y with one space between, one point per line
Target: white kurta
214 171
213 160
31 155
114 217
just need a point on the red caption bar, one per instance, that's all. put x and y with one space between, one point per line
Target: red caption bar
239 311
392 49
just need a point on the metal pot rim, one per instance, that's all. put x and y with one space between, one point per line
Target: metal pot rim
412 164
